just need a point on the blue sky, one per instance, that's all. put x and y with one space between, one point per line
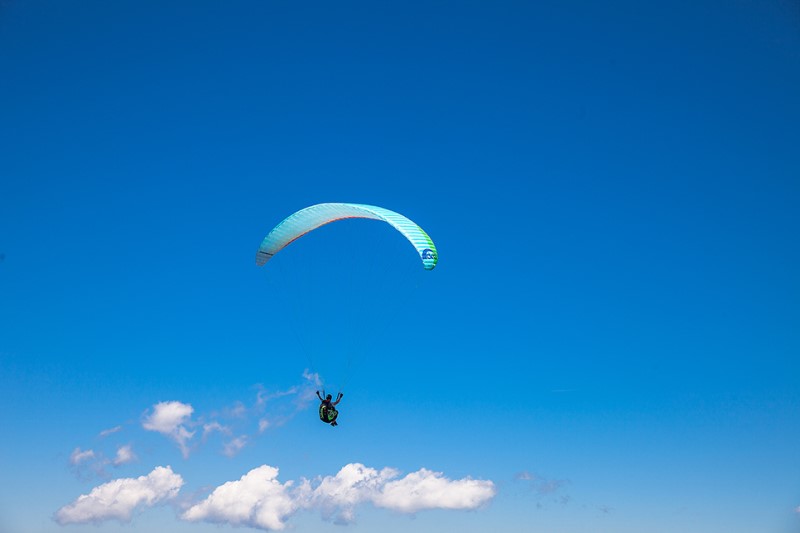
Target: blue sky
609 342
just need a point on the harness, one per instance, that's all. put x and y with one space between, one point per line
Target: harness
327 413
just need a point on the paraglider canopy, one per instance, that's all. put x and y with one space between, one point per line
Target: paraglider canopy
298 224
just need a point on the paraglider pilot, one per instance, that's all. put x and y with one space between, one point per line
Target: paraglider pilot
327 409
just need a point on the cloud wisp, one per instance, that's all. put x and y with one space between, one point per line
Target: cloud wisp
88 463
546 490
118 499
124 455
174 419
276 408
233 447
542 485
110 431
212 427
79 456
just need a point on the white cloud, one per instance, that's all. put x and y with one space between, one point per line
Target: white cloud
797 509
168 418
77 456
107 432
259 500
426 489
124 455
355 483
263 424
337 496
117 499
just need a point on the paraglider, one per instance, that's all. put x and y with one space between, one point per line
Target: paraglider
310 218
327 409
